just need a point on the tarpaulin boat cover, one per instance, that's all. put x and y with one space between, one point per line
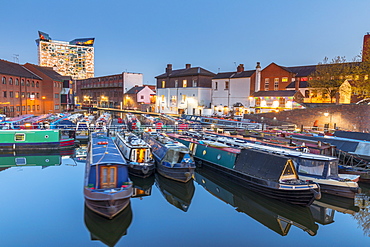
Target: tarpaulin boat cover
260 164
344 145
353 135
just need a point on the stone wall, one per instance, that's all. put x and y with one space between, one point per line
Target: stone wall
343 117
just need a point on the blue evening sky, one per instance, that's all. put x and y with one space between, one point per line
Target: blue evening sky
143 36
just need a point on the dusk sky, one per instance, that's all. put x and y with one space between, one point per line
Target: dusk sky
143 36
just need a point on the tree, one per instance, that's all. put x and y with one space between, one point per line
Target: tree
329 76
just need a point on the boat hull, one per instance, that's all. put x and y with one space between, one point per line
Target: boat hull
141 170
182 174
107 204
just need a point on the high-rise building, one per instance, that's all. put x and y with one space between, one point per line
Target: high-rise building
74 58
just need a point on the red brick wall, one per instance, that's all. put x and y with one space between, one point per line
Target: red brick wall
274 71
345 117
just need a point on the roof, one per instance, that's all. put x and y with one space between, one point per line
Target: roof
302 84
353 135
134 90
50 72
280 93
187 72
14 69
243 74
301 71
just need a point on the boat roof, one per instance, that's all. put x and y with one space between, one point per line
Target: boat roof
104 153
132 140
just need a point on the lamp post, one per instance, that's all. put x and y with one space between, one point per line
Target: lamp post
43 103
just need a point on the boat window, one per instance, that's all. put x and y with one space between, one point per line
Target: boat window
333 169
20 137
206 120
141 155
312 167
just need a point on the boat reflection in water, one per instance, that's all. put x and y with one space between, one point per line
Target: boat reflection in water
177 193
362 200
142 186
274 214
108 231
31 158
323 210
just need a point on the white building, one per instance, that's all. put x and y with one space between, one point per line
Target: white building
232 91
184 91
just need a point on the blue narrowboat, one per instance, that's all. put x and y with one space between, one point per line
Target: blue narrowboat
173 159
107 186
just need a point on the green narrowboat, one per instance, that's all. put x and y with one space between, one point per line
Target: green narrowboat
269 174
21 139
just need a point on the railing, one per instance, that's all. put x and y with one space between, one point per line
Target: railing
351 160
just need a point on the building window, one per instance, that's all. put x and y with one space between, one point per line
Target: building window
22 82
37 95
11 94
195 83
3 80
267 82
4 94
16 82
56 96
38 107
18 108
12 109
216 85
184 83
23 108
276 84
141 96
37 84
183 98
282 101
28 83
17 94
163 84
258 101
33 84
56 107
226 85
10 81
306 93
23 94
176 83
28 95
28 107
284 79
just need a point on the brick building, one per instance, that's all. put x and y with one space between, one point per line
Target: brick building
21 90
57 94
106 91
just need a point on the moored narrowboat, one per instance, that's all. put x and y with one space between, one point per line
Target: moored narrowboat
173 159
269 174
21 139
107 187
137 154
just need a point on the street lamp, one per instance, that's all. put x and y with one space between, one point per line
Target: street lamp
43 103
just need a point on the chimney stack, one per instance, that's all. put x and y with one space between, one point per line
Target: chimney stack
240 68
258 77
297 81
187 66
169 69
366 48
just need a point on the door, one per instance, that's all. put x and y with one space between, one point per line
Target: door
108 177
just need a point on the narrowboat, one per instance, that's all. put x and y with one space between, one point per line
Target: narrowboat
173 159
276 215
176 193
108 231
269 174
137 154
82 131
107 186
21 139
320 169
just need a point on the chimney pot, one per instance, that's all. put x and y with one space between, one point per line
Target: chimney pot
240 68
169 69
